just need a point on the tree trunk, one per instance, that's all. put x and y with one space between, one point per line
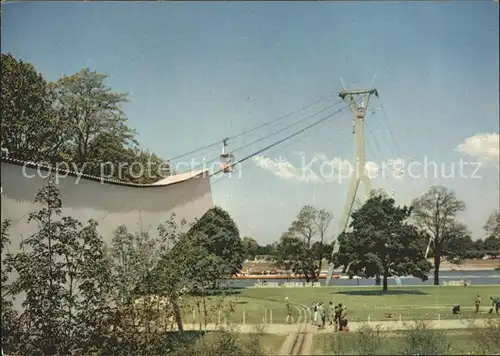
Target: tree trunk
384 288
437 263
377 280
177 313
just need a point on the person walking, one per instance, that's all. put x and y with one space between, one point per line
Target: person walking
495 304
319 316
289 316
338 313
331 313
477 303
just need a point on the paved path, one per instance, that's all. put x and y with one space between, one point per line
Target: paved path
286 329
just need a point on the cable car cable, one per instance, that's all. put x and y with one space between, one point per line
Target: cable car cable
256 127
283 139
267 136
284 116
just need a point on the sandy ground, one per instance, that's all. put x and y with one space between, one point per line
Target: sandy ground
353 326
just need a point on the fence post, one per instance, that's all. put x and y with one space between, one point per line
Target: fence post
244 312
399 317
270 316
194 318
218 320
368 317
265 315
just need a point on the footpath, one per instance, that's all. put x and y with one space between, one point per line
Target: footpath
353 326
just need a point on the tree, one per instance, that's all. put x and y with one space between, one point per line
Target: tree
435 212
63 276
9 316
251 247
492 245
31 128
191 268
492 226
289 250
269 250
310 226
382 243
97 125
218 233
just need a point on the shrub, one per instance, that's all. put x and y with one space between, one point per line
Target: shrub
487 339
420 339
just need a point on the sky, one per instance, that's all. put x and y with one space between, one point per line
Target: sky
198 72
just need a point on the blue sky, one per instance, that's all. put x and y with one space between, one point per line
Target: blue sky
198 72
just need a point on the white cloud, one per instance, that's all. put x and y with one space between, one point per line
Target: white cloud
482 146
320 168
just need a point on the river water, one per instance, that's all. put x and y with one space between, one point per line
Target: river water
475 278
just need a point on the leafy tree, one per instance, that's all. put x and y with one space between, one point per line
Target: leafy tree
63 275
251 247
492 245
288 251
9 316
217 232
31 127
94 115
492 226
382 242
435 212
196 270
310 225
268 250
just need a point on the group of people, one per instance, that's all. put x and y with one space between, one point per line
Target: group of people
335 315
495 305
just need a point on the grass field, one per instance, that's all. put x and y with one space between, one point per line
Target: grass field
460 342
363 303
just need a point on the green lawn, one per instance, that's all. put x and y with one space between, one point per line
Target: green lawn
362 302
236 309
461 342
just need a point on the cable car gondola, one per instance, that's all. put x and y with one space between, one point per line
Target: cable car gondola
226 158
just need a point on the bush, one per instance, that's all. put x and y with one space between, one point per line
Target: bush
420 339
366 341
487 339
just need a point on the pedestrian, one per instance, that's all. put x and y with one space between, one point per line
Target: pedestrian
289 317
331 313
316 314
338 313
323 315
319 316
456 310
313 312
477 303
343 319
495 304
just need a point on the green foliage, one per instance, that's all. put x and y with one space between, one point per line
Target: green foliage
492 226
382 243
78 120
62 279
366 341
487 339
250 247
302 247
217 232
422 340
435 213
31 127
